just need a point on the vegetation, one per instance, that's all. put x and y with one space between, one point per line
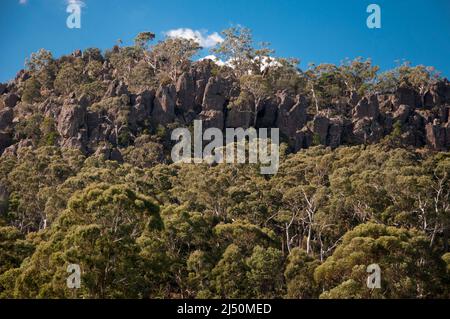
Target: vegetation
143 227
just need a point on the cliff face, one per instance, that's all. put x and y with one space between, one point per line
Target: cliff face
423 118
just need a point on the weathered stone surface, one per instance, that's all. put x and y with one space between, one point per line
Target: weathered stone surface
116 88
403 113
335 132
164 105
438 94
215 95
6 118
2 88
212 118
11 99
240 115
320 126
71 119
185 93
367 107
142 109
22 76
436 136
367 131
302 139
267 113
5 140
406 95
291 114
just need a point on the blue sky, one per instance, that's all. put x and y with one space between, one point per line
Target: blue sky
311 30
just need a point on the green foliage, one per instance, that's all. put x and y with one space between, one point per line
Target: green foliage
299 275
32 90
408 266
69 77
144 228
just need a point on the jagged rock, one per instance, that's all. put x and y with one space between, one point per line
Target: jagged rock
212 118
408 96
320 126
215 96
2 88
438 94
116 88
5 140
367 107
291 114
185 92
303 139
76 142
240 115
367 130
11 100
6 117
202 73
403 113
22 76
142 108
436 136
414 130
70 120
164 105
267 113
200 86
335 132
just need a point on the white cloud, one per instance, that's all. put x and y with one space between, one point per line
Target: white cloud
266 62
213 58
206 41
23 1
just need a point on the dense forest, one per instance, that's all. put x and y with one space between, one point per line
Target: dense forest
86 176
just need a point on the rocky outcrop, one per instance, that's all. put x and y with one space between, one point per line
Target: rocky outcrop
267 113
186 96
6 118
215 95
2 88
406 95
367 107
403 113
10 100
119 115
320 126
438 136
291 113
240 115
141 110
164 105
71 119
116 88
212 119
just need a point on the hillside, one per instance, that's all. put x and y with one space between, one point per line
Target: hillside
86 176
